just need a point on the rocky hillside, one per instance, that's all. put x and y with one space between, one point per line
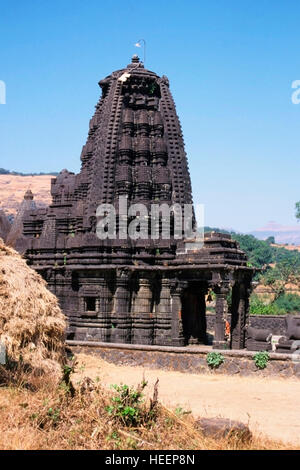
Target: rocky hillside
13 187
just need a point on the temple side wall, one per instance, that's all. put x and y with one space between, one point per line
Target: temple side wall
275 323
178 359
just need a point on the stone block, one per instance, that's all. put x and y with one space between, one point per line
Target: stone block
223 428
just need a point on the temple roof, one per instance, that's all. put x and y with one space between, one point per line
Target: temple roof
135 67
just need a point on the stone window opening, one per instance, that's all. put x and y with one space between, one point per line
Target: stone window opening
90 304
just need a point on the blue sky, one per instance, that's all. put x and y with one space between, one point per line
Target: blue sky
230 64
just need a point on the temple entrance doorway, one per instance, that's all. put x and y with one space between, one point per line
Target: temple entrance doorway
194 315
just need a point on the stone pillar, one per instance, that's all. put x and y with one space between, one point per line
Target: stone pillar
203 322
142 318
60 284
104 311
240 314
70 293
176 309
120 317
163 318
220 341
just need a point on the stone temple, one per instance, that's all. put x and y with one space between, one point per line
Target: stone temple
147 290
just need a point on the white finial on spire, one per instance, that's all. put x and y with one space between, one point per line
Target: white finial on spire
138 44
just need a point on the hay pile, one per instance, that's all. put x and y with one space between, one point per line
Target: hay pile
31 323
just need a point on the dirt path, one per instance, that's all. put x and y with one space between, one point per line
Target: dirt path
271 406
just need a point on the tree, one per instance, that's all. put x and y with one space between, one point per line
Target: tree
259 252
285 272
297 207
270 240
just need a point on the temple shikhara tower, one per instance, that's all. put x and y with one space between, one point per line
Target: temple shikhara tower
148 290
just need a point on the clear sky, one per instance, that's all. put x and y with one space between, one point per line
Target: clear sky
231 65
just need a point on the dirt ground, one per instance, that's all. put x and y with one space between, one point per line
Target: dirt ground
271 407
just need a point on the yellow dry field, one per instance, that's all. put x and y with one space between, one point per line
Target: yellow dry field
13 188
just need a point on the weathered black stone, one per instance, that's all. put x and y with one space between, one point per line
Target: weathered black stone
134 291
291 342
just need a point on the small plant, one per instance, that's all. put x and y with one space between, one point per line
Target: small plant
261 359
214 359
54 414
181 412
152 88
127 405
68 370
114 436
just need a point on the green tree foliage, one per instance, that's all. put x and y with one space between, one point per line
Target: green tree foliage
258 307
289 303
279 267
259 252
286 303
286 271
297 207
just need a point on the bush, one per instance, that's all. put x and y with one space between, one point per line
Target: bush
258 307
286 303
214 359
259 252
289 303
127 405
261 359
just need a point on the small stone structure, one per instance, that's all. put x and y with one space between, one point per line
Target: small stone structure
14 237
291 342
258 339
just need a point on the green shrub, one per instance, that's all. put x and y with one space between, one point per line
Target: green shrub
286 303
214 359
128 407
261 359
258 307
289 303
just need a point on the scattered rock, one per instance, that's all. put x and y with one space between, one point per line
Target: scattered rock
232 368
221 427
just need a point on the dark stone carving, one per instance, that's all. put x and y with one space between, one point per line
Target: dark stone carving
14 236
258 339
5 225
149 291
291 342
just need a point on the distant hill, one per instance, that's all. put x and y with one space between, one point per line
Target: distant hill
283 234
13 187
3 171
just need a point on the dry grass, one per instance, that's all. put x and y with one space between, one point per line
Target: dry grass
50 418
52 414
31 323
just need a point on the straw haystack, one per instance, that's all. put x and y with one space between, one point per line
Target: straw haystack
31 323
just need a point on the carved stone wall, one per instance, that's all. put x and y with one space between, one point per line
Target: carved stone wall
127 290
